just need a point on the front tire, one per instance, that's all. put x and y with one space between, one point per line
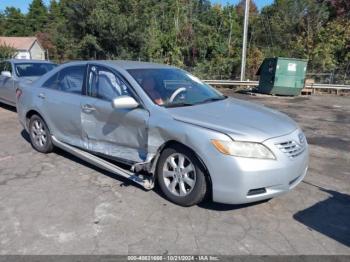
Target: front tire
181 176
40 136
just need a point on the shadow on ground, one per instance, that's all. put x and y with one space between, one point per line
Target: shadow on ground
25 136
330 142
210 205
330 217
125 181
7 107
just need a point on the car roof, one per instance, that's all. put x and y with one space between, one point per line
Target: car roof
136 64
29 61
125 64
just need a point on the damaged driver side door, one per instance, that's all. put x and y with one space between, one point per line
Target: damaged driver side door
117 133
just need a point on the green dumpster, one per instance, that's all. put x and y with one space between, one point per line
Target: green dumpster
282 76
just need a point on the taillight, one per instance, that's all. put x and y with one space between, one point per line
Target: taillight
18 93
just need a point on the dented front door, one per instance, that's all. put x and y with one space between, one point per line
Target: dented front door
120 133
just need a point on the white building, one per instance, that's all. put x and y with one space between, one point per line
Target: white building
26 47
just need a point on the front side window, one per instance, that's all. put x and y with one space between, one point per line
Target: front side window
51 83
105 84
172 87
33 69
69 79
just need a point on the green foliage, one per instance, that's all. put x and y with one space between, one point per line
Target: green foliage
13 22
197 35
37 16
6 51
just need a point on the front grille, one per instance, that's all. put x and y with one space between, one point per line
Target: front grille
291 148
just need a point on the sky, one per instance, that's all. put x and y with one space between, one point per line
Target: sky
23 4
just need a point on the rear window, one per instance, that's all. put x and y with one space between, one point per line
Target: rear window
33 69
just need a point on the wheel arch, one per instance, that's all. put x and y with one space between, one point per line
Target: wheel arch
174 142
31 113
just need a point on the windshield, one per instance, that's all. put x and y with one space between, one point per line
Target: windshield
174 87
33 69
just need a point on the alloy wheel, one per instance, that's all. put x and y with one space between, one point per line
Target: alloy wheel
39 133
179 175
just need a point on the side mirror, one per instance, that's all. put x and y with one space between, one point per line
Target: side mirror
124 102
6 73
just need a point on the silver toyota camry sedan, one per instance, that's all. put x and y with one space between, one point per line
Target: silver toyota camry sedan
159 125
13 71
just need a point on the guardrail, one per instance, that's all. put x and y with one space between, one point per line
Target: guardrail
231 83
328 86
256 83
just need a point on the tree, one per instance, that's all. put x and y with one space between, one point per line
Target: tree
197 35
340 8
332 50
55 38
37 17
13 22
254 60
253 10
2 23
6 51
55 13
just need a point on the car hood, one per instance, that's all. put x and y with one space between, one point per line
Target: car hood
239 119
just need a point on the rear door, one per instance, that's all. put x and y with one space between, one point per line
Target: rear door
119 133
2 67
61 100
7 85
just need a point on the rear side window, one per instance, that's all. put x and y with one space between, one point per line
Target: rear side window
69 79
33 69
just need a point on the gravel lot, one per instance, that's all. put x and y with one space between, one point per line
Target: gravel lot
57 204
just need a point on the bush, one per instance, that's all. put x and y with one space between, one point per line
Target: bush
6 51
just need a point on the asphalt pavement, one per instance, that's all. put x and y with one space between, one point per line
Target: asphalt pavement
57 204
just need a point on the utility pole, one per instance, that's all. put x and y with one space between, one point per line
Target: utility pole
245 36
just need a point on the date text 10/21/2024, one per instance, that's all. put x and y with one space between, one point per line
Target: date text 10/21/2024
173 258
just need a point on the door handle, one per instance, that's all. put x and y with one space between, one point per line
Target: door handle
42 96
88 108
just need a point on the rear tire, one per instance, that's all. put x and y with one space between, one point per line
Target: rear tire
181 176
40 136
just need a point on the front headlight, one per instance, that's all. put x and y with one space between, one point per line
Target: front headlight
243 149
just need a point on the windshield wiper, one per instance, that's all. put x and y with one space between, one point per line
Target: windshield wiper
178 105
212 99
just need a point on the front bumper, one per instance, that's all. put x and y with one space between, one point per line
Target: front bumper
243 180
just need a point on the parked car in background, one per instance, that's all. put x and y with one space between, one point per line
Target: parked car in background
167 125
13 71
